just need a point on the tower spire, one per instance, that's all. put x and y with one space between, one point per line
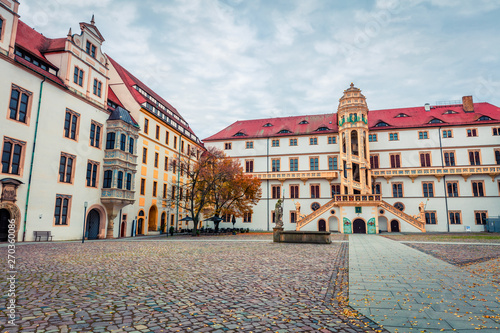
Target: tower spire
92 20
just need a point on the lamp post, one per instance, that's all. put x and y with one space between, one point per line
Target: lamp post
85 205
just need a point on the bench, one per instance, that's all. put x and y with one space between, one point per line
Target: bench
40 234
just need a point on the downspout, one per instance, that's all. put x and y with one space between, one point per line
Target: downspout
32 157
267 182
444 183
178 186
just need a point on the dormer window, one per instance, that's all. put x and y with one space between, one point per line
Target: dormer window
303 122
484 118
401 115
436 121
450 112
284 131
240 134
268 125
90 49
381 124
322 128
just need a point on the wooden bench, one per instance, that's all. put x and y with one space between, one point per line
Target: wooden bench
40 234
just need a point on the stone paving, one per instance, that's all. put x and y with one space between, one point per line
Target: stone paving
406 290
180 286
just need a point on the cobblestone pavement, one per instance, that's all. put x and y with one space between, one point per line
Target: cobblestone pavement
164 286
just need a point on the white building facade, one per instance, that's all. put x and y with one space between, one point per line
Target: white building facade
430 168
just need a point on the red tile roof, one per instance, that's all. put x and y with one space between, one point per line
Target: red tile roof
39 70
35 43
113 98
417 118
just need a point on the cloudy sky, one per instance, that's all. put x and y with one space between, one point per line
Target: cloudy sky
227 60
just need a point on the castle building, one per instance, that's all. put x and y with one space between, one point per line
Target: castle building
418 169
79 158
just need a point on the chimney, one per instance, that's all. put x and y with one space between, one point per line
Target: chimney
427 107
468 104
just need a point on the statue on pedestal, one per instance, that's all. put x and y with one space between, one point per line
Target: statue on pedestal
278 214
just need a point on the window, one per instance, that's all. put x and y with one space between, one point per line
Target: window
71 124
164 196
335 189
293 142
452 188
143 186
157 133
471 132
61 211
447 134
376 188
430 217
276 191
155 188
332 163
315 191
395 160
428 189
119 183
249 166
97 87
129 182
249 144
12 156
425 159
227 145
66 163
313 141
174 166
172 191
381 124
449 158
247 218
313 163
92 169
95 134
436 121
110 140
175 144
374 161
455 217
393 137
496 131
156 159
167 135
131 145
372 137
165 166
78 76
144 155
293 216
294 164
474 157
294 191
397 190
332 140
478 188
275 143
108 178
275 165
20 104
146 125
90 49
480 216
123 142
497 156
1 28
423 135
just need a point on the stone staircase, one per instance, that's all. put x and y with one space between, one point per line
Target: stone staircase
420 225
306 219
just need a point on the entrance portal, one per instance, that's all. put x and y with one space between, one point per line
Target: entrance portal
359 226
4 225
152 224
93 221
394 226
321 225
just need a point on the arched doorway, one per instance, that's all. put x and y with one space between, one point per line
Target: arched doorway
4 225
321 225
382 223
359 226
163 222
153 219
333 223
395 226
140 223
93 223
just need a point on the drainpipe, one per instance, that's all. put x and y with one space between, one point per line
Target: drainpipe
32 157
444 183
267 182
178 186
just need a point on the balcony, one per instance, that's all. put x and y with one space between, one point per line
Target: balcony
114 194
413 173
357 198
302 175
123 156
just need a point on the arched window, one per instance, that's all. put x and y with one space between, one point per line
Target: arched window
354 143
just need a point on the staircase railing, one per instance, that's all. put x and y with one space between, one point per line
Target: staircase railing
408 218
306 219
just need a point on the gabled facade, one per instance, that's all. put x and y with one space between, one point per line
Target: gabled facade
430 168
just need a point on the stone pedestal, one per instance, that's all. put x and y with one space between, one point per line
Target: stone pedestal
276 234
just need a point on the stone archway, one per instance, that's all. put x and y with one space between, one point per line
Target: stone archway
382 224
153 218
359 226
13 214
333 224
93 224
140 223
322 225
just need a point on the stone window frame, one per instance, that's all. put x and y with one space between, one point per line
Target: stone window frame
62 197
22 154
21 92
